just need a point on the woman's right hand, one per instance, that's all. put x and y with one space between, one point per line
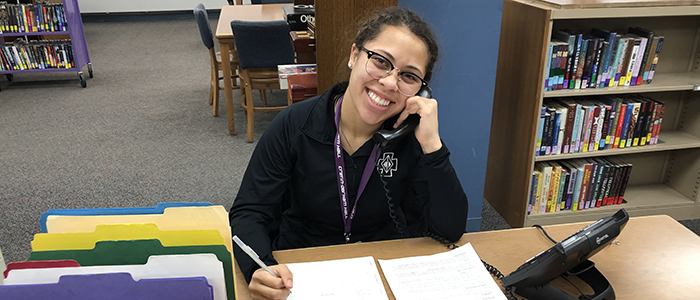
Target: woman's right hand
265 286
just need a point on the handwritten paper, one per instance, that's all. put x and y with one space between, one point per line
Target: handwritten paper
456 274
353 278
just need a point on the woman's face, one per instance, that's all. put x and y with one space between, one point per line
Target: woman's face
379 99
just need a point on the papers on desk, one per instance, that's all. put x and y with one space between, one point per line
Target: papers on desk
456 274
354 278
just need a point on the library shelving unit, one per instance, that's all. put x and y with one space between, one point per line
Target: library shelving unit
665 178
77 37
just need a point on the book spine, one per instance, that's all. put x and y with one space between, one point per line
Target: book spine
596 63
548 70
601 182
650 58
590 59
633 124
540 183
612 49
638 61
590 200
605 127
625 180
577 189
555 132
562 190
545 133
581 63
545 188
575 131
625 125
623 62
630 63
574 65
553 189
655 136
568 132
562 66
569 60
571 187
656 59
533 192
592 139
540 128
551 131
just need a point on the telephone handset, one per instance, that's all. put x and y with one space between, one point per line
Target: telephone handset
388 134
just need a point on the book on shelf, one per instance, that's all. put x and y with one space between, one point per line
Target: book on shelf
32 17
533 191
634 118
570 40
638 58
601 59
546 170
575 125
609 38
649 35
655 60
578 184
42 54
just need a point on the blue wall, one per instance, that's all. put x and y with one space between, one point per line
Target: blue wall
468 33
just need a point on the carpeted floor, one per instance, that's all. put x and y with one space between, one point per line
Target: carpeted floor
140 133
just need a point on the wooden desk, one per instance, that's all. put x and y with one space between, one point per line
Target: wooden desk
261 12
658 258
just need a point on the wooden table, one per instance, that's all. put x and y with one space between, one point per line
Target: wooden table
657 258
261 12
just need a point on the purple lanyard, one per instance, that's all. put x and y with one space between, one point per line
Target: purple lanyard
340 167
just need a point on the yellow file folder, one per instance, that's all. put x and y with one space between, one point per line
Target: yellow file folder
115 232
172 218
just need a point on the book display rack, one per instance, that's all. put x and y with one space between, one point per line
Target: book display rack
22 23
666 170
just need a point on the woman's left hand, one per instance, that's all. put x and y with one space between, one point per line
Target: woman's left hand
427 132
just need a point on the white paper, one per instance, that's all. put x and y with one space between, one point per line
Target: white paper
456 274
353 278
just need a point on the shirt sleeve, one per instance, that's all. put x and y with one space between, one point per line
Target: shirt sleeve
260 196
440 193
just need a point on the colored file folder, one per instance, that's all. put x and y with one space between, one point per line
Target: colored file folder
162 266
158 209
113 286
137 252
173 218
46 263
87 240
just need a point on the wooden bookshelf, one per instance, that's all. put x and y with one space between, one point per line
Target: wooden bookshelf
665 176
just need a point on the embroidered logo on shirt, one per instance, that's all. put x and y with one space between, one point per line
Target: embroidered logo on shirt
387 165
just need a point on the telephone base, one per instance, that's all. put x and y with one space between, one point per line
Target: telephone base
587 272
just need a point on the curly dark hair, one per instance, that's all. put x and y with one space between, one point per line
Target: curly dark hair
400 17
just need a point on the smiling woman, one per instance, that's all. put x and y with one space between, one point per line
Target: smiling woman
318 178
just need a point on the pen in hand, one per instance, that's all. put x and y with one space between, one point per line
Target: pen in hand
253 255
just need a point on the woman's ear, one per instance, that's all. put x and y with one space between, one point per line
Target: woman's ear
353 56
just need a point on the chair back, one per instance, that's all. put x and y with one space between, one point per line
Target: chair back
270 1
200 14
262 44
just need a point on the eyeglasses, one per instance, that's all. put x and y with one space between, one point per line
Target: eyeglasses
379 67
